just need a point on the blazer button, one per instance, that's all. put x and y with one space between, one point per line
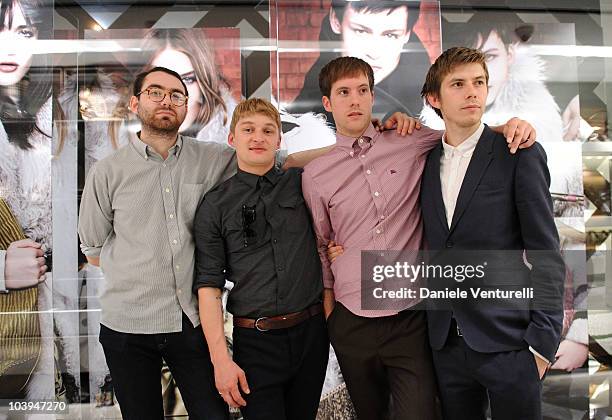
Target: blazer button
449 244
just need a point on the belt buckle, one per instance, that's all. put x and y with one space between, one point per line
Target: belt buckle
257 326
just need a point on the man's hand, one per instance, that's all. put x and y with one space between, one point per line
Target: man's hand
24 265
571 120
228 375
542 366
518 133
402 123
329 301
570 356
334 251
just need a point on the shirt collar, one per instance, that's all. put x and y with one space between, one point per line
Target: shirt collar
273 175
466 148
348 142
143 149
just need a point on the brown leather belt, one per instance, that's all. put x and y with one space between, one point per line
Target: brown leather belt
280 321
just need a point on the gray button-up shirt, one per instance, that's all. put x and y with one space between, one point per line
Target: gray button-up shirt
137 214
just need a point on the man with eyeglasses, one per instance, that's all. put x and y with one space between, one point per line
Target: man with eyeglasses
135 222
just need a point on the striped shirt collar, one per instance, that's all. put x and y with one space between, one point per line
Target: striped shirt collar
349 142
144 150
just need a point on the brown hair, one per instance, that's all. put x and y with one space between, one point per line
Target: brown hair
343 67
255 106
445 64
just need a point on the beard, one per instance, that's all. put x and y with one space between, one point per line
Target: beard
162 124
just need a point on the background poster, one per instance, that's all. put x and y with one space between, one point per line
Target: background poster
397 38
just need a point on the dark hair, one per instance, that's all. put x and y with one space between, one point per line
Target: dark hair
141 76
20 103
445 64
475 32
377 6
342 67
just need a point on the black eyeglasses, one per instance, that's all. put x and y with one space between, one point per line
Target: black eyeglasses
158 95
248 218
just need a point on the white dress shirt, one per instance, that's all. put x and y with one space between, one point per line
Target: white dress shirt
453 166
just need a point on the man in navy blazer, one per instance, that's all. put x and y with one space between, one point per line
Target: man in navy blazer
477 196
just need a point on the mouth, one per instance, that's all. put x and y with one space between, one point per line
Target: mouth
471 107
8 67
165 112
257 149
354 114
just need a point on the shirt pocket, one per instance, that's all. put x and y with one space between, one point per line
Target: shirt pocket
293 213
190 196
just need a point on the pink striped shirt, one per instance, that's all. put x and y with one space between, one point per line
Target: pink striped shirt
364 194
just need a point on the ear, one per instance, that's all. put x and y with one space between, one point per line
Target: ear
512 52
326 103
230 139
433 101
133 105
335 24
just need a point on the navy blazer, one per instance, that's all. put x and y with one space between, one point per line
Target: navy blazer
503 204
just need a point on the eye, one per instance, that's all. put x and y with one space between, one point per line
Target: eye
364 90
343 92
27 32
392 36
189 78
480 82
156 93
457 84
247 129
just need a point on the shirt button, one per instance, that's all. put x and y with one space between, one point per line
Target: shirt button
171 216
280 268
351 153
376 194
360 140
167 190
178 267
274 240
164 165
368 172
382 217
377 230
180 291
175 242
362 156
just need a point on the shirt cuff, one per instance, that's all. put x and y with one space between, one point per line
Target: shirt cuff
91 251
578 332
531 349
3 288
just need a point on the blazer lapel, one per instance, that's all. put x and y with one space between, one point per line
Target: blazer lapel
436 185
482 156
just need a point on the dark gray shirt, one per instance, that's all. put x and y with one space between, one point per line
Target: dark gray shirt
256 232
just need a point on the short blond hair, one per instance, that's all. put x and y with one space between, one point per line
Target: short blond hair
255 106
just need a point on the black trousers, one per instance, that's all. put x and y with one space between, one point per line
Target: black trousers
385 360
469 381
284 368
135 362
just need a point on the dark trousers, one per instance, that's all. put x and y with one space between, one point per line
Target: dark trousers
470 380
284 368
135 362
385 360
